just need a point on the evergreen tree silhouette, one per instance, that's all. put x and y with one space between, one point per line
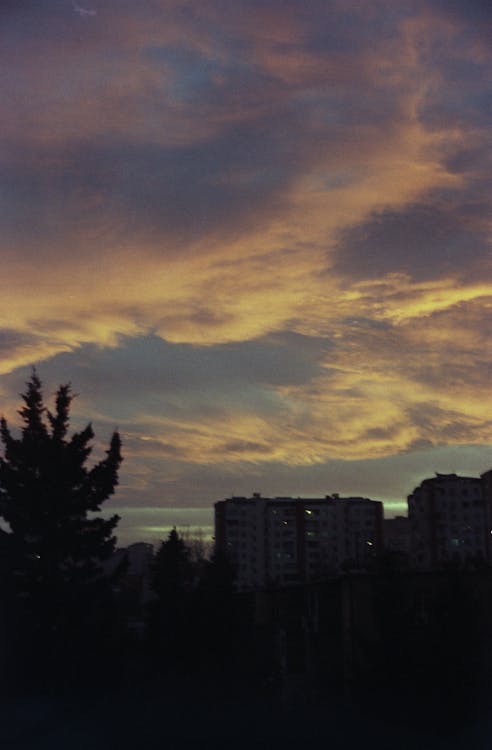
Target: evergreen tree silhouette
53 552
223 620
173 570
170 616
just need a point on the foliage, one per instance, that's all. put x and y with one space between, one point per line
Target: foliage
173 570
53 552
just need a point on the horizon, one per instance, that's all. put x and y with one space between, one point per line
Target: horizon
134 528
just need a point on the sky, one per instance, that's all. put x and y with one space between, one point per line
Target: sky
255 236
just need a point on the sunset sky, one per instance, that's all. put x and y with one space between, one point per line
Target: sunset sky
255 236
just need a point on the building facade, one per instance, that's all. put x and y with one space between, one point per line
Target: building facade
284 541
450 521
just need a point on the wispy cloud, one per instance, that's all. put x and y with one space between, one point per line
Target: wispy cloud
84 12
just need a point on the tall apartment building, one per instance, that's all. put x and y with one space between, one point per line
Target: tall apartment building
285 540
450 521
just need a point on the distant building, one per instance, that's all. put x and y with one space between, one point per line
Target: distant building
450 521
284 540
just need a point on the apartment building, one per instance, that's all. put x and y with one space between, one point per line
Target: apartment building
450 521
284 540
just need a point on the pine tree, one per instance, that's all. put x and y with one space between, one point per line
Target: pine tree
172 569
53 550
169 616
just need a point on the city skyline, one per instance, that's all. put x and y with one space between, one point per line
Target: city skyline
255 237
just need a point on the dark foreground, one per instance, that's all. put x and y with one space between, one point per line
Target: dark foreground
148 715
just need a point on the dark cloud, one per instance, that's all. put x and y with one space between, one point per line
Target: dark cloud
162 449
11 339
269 361
381 433
181 194
152 376
260 131
16 345
246 446
461 100
423 241
452 375
469 12
441 426
470 159
209 83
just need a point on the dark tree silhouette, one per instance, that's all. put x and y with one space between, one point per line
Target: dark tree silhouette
197 622
173 570
223 621
170 623
53 552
